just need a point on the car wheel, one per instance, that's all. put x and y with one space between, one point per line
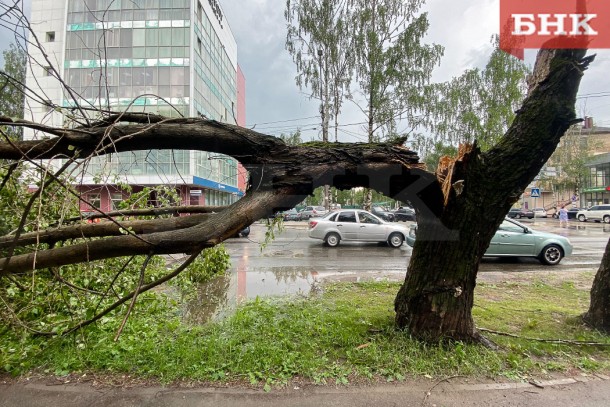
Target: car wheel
518 216
582 218
606 219
332 239
551 255
395 240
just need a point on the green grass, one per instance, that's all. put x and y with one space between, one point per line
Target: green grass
345 334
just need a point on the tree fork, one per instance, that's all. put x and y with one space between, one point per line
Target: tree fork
436 299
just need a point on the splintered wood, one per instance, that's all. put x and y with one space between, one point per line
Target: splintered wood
445 170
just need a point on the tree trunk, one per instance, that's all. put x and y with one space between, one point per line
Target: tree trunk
436 299
598 315
437 302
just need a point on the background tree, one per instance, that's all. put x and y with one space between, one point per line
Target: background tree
318 41
479 104
573 152
392 64
292 139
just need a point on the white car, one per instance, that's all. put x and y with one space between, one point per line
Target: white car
356 225
539 213
596 212
313 212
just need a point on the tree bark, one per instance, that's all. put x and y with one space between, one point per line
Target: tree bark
436 299
598 315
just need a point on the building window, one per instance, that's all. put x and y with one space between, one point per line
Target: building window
50 36
94 200
199 11
116 199
47 71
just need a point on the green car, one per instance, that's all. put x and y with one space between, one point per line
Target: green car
512 239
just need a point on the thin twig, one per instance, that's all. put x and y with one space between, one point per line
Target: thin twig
111 285
557 341
135 296
9 172
18 320
429 392
57 276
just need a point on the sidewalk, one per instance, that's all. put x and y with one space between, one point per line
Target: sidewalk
581 391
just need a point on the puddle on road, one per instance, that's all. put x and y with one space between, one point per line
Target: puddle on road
219 297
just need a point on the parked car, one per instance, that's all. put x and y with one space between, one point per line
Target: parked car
539 213
597 213
513 239
404 213
356 225
291 214
383 213
519 213
313 211
572 212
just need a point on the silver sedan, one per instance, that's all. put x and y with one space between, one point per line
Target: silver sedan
356 225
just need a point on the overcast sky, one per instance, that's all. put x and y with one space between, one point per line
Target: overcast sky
275 104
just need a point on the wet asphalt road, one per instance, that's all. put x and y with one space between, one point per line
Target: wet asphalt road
295 263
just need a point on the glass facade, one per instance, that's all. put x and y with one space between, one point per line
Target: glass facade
158 56
215 83
121 54
596 185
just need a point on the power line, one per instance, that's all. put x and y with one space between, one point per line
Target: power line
281 121
594 95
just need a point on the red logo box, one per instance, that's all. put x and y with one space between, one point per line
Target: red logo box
553 24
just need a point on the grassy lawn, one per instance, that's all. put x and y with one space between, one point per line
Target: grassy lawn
343 335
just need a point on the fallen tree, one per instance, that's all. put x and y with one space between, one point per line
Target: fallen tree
459 207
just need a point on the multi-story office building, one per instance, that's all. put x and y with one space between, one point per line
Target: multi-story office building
596 182
172 57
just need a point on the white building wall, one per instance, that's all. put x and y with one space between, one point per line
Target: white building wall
47 16
222 28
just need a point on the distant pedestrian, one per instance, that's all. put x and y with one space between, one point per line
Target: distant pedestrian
563 216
